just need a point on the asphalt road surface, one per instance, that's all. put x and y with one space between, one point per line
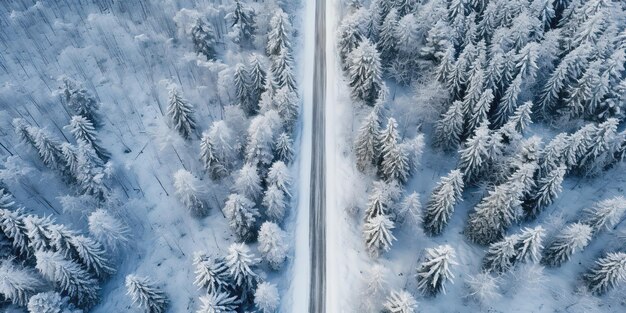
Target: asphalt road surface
317 227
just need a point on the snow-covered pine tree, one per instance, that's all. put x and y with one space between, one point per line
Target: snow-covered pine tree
70 155
219 302
483 287
438 45
608 272
520 120
248 182
283 149
449 128
242 22
278 38
69 276
274 203
211 273
378 234
572 238
6 199
286 103
442 200
434 272
407 42
91 176
191 192
544 11
367 143
529 245
180 114
473 93
494 214
381 199
48 147
14 228
364 72
82 129
395 160
545 192
24 131
410 210
509 101
474 154
50 302
376 281
146 295
400 302
17 284
203 38
479 113
460 74
273 244
278 175
79 101
241 214
282 70
599 148
266 297
38 234
349 36
446 68
257 78
605 214
242 90
210 161
92 255
387 38
241 265
501 255
553 154
108 230
261 135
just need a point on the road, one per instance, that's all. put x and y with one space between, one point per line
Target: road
317 220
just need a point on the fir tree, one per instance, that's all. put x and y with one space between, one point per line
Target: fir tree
508 103
349 37
501 255
483 287
273 244
17 284
494 214
286 103
446 67
381 199
605 214
572 238
50 302
608 272
395 161
400 302
180 114
91 175
387 39
92 255
545 192
6 199
216 167
38 232
266 297
191 192
204 39
278 38
241 265
219 302
241 214
146 295
282 70
48 148
278 176
441 204
248 182
112 233
69 277
449 129
83 130
256 78
479 113
13 226
211 273
243 23
367 143
520 120
438 45
434 272
365 72
378 234
283 149
242 92
275 204
529 244
474 154
79 101
410 208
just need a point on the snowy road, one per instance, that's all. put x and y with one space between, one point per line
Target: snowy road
317 300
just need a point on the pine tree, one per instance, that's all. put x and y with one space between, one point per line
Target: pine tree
553 154
13 226
112 233
275 203
204 39
474 154
180 114
266 297
528 246
50 302
473 93
219 302
242 92
286 103
449 129
278 176
367 143
273 244
479 113
483 287
83 130
261 135
410 208
349 37
92 255
241 265
600 147
241 214
257 78
381 199
434 272
387 38
284 150
208 155
501 255
248 182
400 302
190 192
509 102
17 284
38 232
91 175
494 214
572 238
441 204
608 272
545 192
211 273
544 11
365 72
378 234
407 43
146 295
243 23
48 148
446 67
278 38
68 276
282 70
520 120
438 44
395 161
605 214
70 156
79 101
6 199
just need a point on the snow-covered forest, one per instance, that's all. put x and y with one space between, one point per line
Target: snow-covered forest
485 148
148 155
